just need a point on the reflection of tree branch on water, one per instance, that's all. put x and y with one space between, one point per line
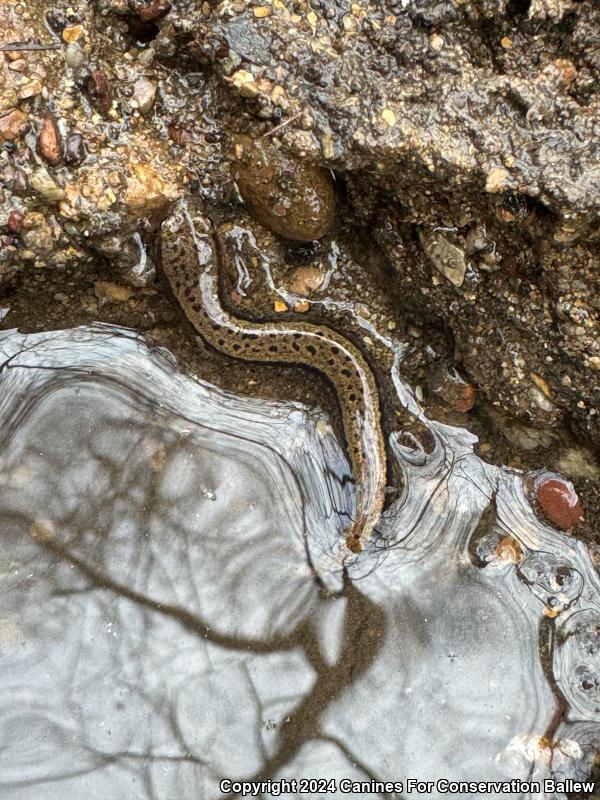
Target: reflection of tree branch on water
359 652
114 485
363 637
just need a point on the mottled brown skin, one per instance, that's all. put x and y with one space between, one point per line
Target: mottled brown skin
190 263
293 199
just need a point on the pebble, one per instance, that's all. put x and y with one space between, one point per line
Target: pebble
292 198
20 65
388 116
496 180
144 94
20 184
178 135
436 42
106 290
448 386
304 280
509 549
29 88
12 125
8 99
14 221
101 90
50 141
245 84
155 10
447 258
557 499
72 33
74 55
147 191
75 149
37 233
43 183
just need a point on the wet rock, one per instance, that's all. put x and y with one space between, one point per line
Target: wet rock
178 135
452 390
29 87
50 141
147 191
37 234
557 499
73 33
75 149
8 99
304 280
100 89
293 199
106 290
447 258
15 221
74 55
12 125
578 462
144 94
20 184
154 10
43 183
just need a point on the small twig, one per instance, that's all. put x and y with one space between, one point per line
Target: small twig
21 46
282 125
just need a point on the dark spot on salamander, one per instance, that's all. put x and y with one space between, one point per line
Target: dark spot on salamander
312 350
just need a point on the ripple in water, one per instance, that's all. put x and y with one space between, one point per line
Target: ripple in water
178 606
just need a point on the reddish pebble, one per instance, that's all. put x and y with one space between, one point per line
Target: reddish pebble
101 89
14 222
448 386
465 400
50 141
155 10
558 500
180 136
